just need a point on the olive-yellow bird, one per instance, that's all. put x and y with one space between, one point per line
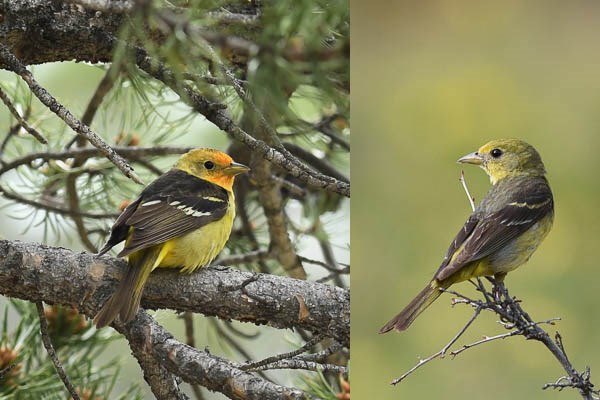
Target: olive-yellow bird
181 220
504 230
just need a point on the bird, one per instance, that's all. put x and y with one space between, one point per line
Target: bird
504 230
181 220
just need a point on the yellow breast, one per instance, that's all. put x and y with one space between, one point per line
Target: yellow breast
198 248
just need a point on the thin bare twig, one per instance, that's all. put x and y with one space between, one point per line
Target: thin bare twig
464 183
487 339
252 256
22 122
298 363
442 352
134 153
323 354
190 340
270 360
328 267
515 319
52 353
52 207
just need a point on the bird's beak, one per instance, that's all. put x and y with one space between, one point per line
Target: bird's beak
471 158
236 168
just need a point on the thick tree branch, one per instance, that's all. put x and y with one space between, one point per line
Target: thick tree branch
200 367
35 272
164 384
40 31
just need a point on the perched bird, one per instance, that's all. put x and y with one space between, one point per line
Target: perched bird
181 220
504 230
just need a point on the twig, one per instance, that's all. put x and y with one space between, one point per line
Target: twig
464 183
53 208
49 101
323 126
224 335
293 189
22 122
11 132
298 363
567 382
88 152
487 339
52 354
323 354
188 320
270 360
442 352
331 268
252 256
148 165
514 318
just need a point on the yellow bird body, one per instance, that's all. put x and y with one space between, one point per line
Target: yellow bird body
200 247
181 220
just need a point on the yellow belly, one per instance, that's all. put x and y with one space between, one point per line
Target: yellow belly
520 249
198 248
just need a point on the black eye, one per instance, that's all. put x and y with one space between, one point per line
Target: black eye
209 164
496 153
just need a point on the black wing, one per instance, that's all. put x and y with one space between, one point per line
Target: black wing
171 206
488 230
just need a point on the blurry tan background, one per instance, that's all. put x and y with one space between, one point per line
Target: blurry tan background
432 81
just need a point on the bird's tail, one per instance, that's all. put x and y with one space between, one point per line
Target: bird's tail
406 317
126 299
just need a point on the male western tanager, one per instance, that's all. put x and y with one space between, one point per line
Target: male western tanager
503 231
181 220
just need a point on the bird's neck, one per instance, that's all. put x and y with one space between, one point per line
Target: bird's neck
225 181
498 177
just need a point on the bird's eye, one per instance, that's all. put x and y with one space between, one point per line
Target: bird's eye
496 153
209 164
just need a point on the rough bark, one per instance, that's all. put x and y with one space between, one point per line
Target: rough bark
40 31
35 272
201 367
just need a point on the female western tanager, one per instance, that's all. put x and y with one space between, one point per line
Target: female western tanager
181 220
503 231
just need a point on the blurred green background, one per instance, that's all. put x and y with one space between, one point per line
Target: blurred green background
432 81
